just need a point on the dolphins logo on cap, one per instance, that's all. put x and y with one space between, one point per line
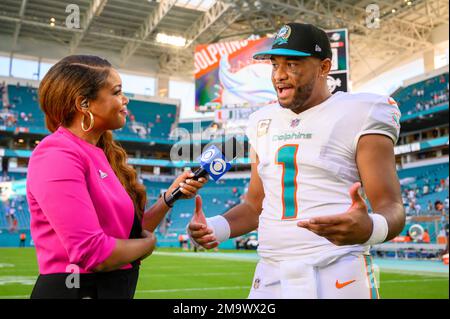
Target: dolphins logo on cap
283 35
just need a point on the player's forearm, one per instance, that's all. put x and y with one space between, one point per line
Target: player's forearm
395 217
243 219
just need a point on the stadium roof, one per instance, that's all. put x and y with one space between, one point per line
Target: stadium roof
125 31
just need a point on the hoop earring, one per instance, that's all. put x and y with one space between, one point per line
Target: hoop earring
91 124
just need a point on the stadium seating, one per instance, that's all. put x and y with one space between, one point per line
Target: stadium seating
14 176
423 95
189 126
146 120
154 188
24 101
430 175
427 183
19 203
217 198
21 212
155 119
437 170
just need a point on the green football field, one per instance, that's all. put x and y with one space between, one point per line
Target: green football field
171 273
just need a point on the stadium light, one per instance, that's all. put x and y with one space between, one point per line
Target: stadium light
171 40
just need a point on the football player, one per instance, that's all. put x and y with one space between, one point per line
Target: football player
312 151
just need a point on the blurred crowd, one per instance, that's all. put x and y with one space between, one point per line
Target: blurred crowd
412 198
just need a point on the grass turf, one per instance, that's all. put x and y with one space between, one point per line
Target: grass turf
168 274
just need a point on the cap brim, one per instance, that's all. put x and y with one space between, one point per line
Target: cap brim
284 52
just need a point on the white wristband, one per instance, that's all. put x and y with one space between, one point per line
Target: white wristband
220 226
380 229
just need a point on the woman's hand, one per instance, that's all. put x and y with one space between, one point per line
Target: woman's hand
188 186
127 251
189 189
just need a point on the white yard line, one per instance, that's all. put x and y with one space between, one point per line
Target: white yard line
412 280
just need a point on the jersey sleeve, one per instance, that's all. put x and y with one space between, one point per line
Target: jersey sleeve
383 118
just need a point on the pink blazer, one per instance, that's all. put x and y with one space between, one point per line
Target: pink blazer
78 206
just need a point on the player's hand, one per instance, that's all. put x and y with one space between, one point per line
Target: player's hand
188 186
198 229
350 228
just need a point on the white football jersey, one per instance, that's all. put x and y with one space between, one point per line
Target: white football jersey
307 166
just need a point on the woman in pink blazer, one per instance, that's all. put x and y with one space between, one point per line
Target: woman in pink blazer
88 218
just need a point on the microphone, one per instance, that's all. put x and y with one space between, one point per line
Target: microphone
213 162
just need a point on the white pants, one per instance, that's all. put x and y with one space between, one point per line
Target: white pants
350 277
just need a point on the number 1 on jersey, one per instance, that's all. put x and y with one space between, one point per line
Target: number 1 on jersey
287 158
